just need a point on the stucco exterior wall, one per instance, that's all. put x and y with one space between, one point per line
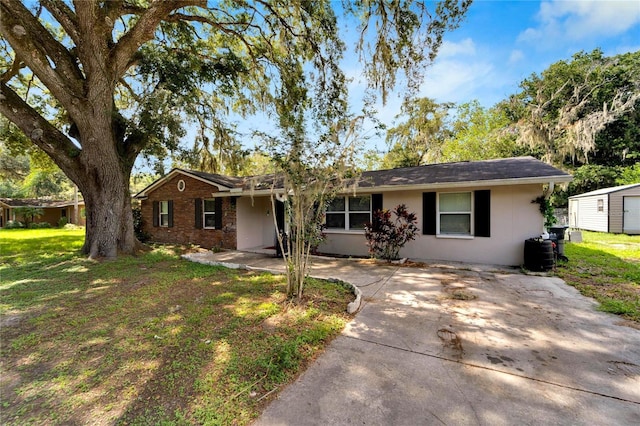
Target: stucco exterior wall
513 219
184 229
255 223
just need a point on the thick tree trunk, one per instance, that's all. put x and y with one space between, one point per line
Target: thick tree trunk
104 183
109 228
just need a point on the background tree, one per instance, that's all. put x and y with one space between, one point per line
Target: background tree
578 111
420 137
480 133
582 115
14 168
28 214
95 84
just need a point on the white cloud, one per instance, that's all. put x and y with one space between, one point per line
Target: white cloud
516 56
456 81
578 20
449 49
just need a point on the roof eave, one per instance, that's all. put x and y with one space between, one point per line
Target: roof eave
145 192
467 184
421 187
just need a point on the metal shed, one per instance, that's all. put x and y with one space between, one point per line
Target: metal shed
615 210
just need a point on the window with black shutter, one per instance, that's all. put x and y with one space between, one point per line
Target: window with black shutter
429 213
211 213
482 213
457 213
197 208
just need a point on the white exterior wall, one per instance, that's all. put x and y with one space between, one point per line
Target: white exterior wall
584 214
254 223
513 219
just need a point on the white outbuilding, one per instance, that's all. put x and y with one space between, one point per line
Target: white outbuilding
615 210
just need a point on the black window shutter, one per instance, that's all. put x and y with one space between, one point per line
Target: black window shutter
429 213
198 215
218 215
376 202
482 213
156 213
170 207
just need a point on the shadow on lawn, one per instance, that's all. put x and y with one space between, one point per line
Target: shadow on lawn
146 340
612 280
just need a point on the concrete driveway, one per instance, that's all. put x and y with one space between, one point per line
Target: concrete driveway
463 345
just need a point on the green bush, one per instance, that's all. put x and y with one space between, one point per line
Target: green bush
138 229
62 222
13 224
385 237
41 225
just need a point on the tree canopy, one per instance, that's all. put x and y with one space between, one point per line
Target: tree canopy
95 84
582 111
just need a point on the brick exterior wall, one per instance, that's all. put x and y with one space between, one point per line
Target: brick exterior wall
184 229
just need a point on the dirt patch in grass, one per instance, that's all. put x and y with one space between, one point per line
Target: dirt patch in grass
154 339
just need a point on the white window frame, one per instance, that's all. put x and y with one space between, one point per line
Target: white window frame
470 213
206 213
346 212
162 213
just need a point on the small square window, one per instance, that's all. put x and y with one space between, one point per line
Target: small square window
454 213
348 212
600 205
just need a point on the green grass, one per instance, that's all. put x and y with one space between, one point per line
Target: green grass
150 339
607 268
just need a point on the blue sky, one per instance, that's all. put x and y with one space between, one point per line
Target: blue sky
500 43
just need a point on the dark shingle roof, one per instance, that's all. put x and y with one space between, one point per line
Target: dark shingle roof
228 181
461 172
507 171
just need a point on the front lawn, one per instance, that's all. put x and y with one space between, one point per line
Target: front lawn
147 340
607 268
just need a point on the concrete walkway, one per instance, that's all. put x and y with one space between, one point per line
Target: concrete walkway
463 344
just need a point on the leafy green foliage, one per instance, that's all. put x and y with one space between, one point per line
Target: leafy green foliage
419 139
28 214
547 211
385 237
581 111
629 175
97 84
138 226
590 178
480 133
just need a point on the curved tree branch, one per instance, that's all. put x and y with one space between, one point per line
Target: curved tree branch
144 31
42 133
43 54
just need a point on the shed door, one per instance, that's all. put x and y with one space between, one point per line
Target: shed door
631 223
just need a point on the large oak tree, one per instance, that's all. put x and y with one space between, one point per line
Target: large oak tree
95 84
